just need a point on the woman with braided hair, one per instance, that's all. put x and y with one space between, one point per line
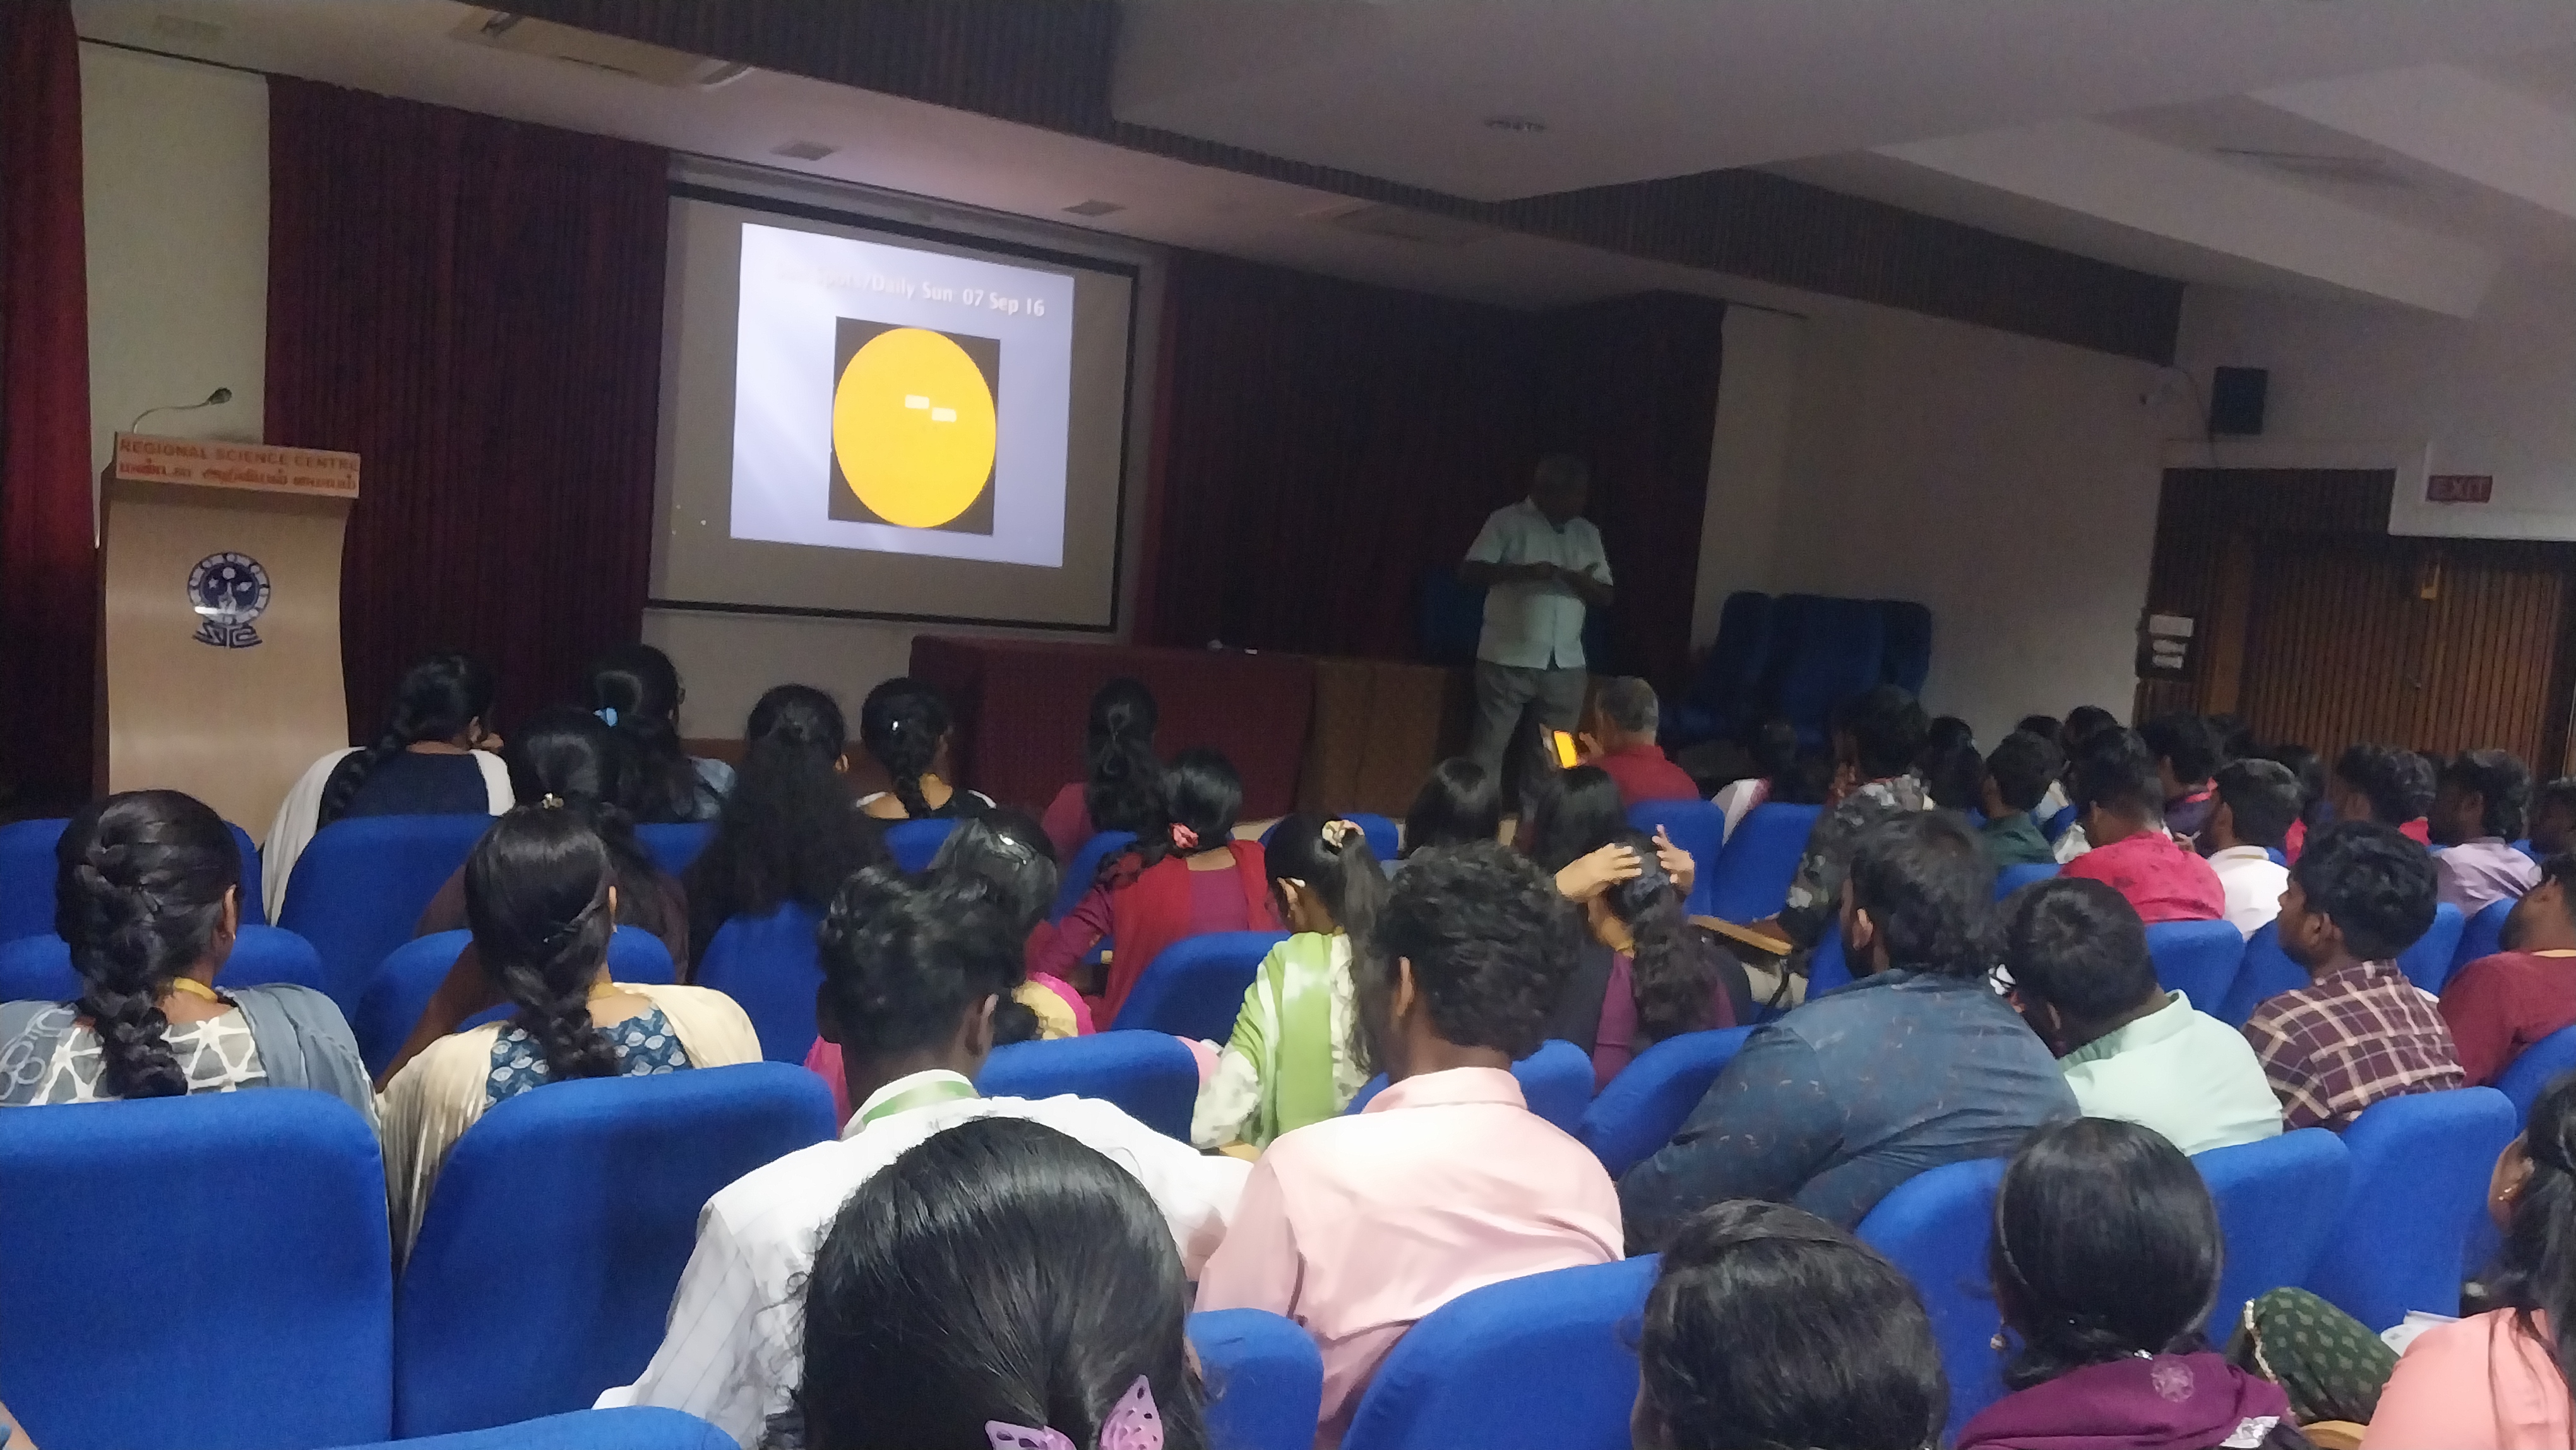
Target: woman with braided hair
541 893
147 892
903 725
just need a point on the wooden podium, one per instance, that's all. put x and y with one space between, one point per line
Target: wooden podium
219 641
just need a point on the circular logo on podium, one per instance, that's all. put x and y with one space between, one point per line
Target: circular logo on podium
228 591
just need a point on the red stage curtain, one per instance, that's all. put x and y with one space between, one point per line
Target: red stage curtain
474 306
48 554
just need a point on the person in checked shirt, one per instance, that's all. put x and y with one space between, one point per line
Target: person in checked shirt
2359 1033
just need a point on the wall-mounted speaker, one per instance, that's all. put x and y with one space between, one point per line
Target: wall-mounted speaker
2236 401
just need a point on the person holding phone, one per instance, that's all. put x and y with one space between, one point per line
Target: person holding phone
1541 566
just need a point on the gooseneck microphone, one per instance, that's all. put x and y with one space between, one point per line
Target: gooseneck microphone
218 396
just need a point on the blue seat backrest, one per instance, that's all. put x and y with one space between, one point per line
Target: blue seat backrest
673 845
2014 878
1195 988
1150 1074
2540 1065
1935 1226
1754 868
2199 959
767 965
634 1427
1084 870
2265 973
1556 1083
2277 1201
1699 828
2059 824
1724 696
39 968
915 842
27 877
1640 1109
262 1210
412 972
1264 1379
1541 1360
1823 652
1907 658
2420 1170
2428 963
1828 970
361 884
2481 935
582 1198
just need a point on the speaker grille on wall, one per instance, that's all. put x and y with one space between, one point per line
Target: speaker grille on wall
2236 401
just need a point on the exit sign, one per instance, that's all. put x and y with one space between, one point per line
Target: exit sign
2459 488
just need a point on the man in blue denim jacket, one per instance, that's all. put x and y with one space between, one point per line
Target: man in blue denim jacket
1917 1064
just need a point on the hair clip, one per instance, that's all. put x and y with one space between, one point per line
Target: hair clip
607 715
551 802
1132 1425
1338 833
1184 837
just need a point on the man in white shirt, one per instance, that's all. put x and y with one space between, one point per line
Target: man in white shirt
2258 802
911 977
1541 566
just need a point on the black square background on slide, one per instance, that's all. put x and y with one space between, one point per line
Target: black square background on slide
845 506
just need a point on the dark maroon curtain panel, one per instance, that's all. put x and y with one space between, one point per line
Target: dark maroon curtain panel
48 558
474 306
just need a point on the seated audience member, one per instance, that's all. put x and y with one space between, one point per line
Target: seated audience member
636 692
2258 803
1460 801
912 976
1570 814
2132 1050
2499 1380
1916 1064
568 756
2186 755
1768 1326
2315 809
1295 1057
2234 739
999 1285
2082 724
147 892
1645 972
2375 783
1188 878
2105 1258
787 832
903 725
2498 1006
1120 774
1876 735
2052 730
2477 812
2123 805
1358 1226
1625 716
2017 777
541 890
1775 756
2553 818
2360 1032
1954 775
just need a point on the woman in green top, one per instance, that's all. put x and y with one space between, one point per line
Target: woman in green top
1295 1056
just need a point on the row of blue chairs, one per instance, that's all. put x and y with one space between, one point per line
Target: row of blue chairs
27 877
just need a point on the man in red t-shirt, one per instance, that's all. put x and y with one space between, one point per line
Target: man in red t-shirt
2120 801
2499 1005
1621 740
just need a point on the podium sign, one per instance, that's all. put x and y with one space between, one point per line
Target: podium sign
220 628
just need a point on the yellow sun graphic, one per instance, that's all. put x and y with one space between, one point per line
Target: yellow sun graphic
912 427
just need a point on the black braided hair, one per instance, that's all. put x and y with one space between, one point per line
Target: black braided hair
440 695
139 889
901 723
1123 781
637 684
536 893
1673 968
571 754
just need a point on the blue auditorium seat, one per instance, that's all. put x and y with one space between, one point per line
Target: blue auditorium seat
1264 1379
673 845
1195 988
1907 656
2199 959
1640 1109
767 965
2428 963
1536 1361
1827 968
558 1228
402 987
1823 652
2265 973
2014 878
207 1271
39 968
1084 870
2059 824
361 884
1384 840
1150 1074
1935 1226
27 877
915 842
2540 1065
1724 697
1754 868
1699 828
636 1427
2277 1202
1556 1083
2481 936
2420 1170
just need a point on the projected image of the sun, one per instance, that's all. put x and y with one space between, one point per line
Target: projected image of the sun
913 427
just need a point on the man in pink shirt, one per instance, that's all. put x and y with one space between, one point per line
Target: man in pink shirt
1357 1226
1622 742
2122 803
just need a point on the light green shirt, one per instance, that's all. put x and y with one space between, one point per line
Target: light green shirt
2181 1072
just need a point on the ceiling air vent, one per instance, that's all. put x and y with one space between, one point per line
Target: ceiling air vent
1402 223
652 64
2322 166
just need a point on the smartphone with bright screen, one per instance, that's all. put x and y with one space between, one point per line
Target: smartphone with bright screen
1566 758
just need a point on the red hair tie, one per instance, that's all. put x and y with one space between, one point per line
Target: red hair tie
1183 837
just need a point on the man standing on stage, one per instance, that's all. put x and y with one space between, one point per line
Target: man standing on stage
1541 564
